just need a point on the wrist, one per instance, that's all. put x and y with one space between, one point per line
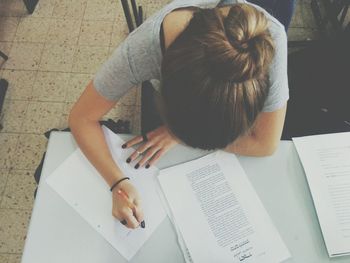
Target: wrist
118 183
113 177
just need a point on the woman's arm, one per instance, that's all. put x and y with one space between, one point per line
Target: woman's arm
264 138
84 123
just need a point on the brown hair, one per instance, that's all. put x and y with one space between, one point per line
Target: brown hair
214 76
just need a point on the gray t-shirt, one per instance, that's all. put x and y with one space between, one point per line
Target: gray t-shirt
138 58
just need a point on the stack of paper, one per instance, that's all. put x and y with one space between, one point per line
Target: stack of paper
217 213
326 161
81 186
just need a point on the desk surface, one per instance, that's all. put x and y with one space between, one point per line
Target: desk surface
58 234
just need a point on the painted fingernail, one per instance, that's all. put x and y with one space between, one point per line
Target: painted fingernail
124 222
124 146
137 166
143 224
147 166
128 160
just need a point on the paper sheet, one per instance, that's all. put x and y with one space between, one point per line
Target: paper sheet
219 215
81 186
326 161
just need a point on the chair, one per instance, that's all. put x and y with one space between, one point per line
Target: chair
149 116
330 22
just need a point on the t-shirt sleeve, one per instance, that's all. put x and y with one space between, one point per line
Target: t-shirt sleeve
131 63
115 78
278 77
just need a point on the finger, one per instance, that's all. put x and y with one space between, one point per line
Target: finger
156 157
139 151
138 212
130 219
133 141
148 155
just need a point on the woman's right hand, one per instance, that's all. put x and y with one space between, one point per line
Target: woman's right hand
127 206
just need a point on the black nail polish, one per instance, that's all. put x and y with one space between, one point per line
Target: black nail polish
137 166
147 166
124 146
143 224
123 222
128 160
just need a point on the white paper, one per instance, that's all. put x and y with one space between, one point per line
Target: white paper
326 161
81 186
219 215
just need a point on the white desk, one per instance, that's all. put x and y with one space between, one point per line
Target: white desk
58 234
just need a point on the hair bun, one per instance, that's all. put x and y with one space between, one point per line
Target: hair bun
251 45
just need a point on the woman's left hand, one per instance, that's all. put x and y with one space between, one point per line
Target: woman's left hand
158 142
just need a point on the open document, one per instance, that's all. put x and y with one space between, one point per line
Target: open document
218 213
81 186
326 161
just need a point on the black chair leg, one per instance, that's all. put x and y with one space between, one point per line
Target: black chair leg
30 5
3 88
3 55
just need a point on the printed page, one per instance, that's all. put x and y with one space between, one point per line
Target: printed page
326 161
219 215
81 186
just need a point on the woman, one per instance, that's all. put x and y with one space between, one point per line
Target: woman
223 73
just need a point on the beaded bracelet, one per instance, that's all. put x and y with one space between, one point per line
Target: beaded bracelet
118 182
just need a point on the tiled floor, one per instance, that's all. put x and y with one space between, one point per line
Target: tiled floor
53 54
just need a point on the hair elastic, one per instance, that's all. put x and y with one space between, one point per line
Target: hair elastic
118 182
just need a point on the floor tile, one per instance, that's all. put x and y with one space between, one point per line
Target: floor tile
69 8
20 83
13 115
122 112
14 258
101 10
32 29
138 95
303 16
57 58
44 8
42 116
19 191
8 142
13 229
129 98
51 86
5 47
24 55
64 31
8 27
4 258
3 179
136 121
29 151
65 114
95 33
119 33
77 84
88 59
295 33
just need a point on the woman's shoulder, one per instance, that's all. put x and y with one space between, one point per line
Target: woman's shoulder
174 23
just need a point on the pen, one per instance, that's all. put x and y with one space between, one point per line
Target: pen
131 205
